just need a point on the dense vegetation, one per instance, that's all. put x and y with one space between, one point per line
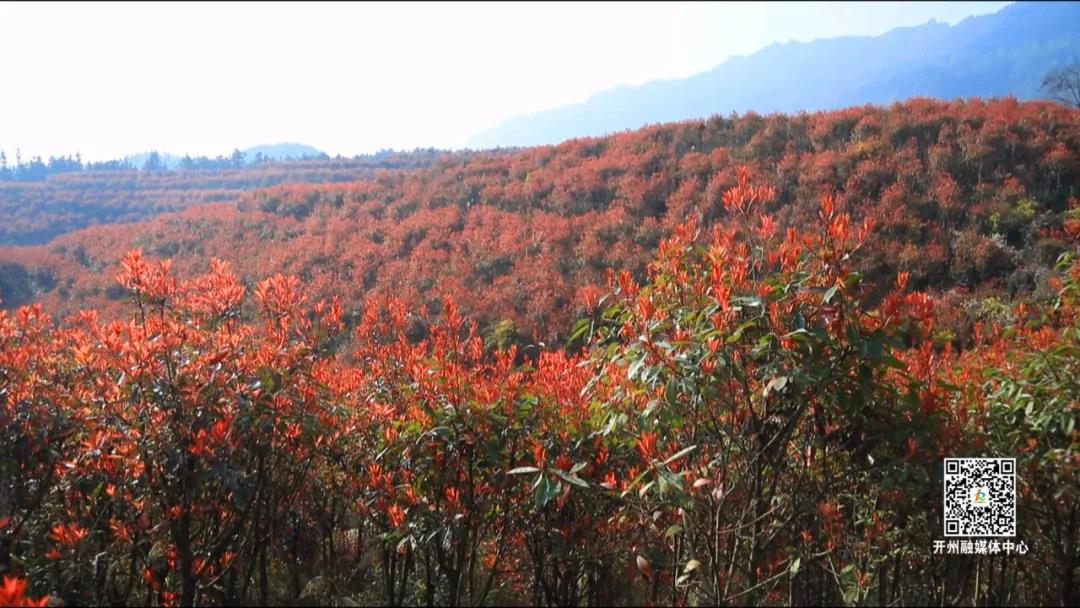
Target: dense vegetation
968 197
41 200
742 429
774 328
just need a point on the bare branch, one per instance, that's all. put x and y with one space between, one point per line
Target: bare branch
1063 85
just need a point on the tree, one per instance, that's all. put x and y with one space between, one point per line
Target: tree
1063 85
153 162
1030 411
238 159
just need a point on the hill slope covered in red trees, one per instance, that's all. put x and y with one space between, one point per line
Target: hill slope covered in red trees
964 196
73 196
743 427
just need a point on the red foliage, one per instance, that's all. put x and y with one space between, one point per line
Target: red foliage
13 593
765 386
515 236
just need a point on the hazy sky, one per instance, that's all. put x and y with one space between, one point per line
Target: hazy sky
112 79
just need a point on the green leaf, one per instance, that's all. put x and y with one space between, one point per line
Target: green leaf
737 334
680 454
610 426
650 407
671 479
580 328
830 293
571 478
777 384
522 470
671 391
798 334
546 491
893 362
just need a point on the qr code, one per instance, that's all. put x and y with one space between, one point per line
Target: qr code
980 497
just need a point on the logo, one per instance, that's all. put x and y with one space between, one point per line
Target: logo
980 497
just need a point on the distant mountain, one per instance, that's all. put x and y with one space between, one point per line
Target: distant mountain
283 151
1004 53
168 161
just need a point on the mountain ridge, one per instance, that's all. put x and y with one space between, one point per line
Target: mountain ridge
981 56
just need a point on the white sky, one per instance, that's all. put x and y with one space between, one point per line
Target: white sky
118 78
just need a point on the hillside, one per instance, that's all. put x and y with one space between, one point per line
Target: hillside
36 211
968 198
1005 53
